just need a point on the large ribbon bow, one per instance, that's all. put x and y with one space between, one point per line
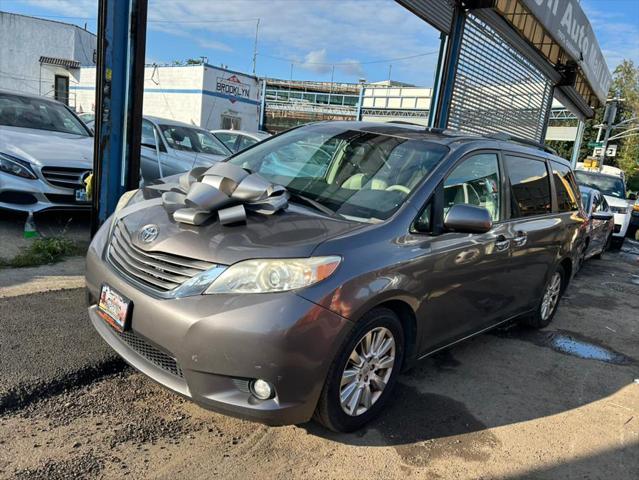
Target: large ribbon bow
226 189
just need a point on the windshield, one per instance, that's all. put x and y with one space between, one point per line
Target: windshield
27 112
358 175
606 184
193 140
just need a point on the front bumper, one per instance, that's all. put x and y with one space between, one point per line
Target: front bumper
621 224
220 342
24 195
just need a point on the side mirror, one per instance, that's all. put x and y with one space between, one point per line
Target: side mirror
601 215
464 218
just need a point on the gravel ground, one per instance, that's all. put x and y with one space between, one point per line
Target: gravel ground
560 403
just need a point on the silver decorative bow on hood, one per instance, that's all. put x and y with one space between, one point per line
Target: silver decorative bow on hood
224 188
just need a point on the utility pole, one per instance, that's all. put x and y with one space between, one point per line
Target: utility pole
608 123
330 89
257 29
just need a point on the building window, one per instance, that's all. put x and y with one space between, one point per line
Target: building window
231 123
61 92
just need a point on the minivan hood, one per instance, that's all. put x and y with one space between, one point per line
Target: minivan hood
42 147
293 233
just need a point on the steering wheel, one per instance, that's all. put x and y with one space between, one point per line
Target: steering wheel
398 188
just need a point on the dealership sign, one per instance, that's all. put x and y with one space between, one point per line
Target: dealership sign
567 24
233 86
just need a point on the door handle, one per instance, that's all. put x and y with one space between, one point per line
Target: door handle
521 239
502 243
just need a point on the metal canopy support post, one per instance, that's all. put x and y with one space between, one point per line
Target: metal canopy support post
577 145
443 38
449 70
119 91
263 105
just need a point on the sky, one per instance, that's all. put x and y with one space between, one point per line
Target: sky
315 39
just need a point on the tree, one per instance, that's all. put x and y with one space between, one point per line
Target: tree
626 83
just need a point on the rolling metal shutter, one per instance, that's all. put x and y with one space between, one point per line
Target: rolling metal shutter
439 13
496 88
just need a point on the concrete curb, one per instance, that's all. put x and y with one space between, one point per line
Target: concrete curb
60 276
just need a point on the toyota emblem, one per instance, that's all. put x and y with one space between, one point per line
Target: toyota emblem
148 233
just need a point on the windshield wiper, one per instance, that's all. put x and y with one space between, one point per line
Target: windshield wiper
313 203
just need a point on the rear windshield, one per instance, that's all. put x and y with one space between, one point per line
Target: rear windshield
27 112
359 175
606 184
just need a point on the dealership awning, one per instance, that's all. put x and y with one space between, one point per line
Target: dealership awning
60 62
558 32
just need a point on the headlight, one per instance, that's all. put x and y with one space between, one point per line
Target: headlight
125 199
267 276
15 166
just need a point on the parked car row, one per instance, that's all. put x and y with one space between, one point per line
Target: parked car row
397 242
46 151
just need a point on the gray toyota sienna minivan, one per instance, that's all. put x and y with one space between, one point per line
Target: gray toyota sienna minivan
299 278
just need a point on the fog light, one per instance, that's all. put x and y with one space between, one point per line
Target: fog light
261 389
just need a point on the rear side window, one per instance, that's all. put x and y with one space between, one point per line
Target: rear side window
565 186
530 186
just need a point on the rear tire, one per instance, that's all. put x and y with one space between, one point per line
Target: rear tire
553 290
351 396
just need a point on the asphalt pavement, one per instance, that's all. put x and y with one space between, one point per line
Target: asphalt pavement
562 402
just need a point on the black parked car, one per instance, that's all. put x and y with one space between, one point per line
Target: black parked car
397 242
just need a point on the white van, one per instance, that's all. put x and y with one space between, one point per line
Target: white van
610 181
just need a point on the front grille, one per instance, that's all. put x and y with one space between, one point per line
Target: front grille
157 357
157 270
65 177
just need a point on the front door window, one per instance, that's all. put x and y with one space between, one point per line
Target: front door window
475 182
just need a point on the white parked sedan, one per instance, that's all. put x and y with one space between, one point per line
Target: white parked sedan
46 153
237 140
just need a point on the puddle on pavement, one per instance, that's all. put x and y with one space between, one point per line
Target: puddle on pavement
570 343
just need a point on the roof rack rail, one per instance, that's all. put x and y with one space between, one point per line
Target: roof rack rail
524 141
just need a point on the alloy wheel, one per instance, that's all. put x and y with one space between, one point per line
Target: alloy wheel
367 371
551 296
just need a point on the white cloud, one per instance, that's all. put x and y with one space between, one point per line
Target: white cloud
347 33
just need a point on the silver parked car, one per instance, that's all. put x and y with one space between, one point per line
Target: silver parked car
46 153
238 140
170 147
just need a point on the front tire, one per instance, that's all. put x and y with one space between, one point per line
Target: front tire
617 243
363 375
547 307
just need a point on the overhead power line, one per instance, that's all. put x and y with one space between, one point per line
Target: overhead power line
302 62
